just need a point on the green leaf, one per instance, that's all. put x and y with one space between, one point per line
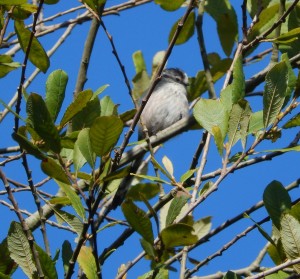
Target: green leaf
28 146
55 92
108 107
277 201
231 275
274 92
104 134
159 167
141 83
218 137
253 6
168 165
76 106
290 237
224 15
238 84
139 62
47 264
256 122
152 178
7 65
178 235
288 36
99 90
175 207
211 113
7 265
85 147
74 198
294 122
87 115
87 262
19 249
187 175
202 227
294 148
37 55
54 170
186 32
148 190
138 220
51 2
40 120
73 221
23 11
67 253
169 5
238 123
60 200
148 248
127 115
12 2
279 275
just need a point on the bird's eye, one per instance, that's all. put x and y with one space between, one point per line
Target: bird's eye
178 79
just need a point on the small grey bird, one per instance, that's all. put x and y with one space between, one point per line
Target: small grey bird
167 104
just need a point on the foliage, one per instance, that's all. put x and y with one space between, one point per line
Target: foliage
77 146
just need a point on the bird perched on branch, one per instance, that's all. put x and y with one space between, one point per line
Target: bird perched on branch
167 104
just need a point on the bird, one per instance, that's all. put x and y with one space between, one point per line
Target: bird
167 104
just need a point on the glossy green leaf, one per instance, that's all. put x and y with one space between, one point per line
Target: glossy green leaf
47 264
100 90
87 115
186 32
104 134
231 275
202 227
67 253
290 237
210 114
277 201
288 36
138 220
12 2
139 62
74 198
85 147
55 92
7 65
170 5
238 123
175 207
148 190
274 92
51 2
178 235
256 122
152 178
60 200
54 170
187 175
224 15
7 265
294 122
108 107
40 120
76 106
87 262
149 249
267 18
28 146
37 55
23 11
141 83
78 159
127 115
65 217
19 249
238 84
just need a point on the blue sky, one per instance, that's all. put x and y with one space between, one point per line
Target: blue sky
146 28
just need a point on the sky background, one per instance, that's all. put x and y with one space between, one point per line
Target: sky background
147 28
